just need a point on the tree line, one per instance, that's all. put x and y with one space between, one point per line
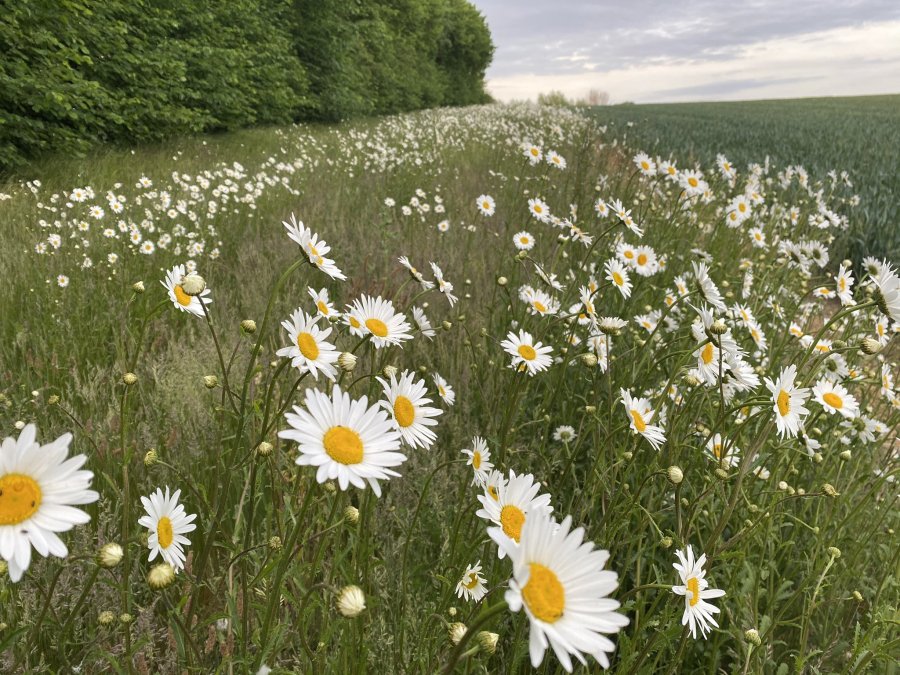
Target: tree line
74 73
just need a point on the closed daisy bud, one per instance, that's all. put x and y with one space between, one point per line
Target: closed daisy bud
151 457
248 326
782 485
627 456
718 327
818 458
589 359
126 618
275 543
752 636
721 474
666 542
846 455
834 552
264 449
829 490
857 596
53 400
870 346
675 475
691 380
487 641
110 555
106 617
502 281
590 409
351 601
329 487
456 630
129 378
446 325
389 371
351 514
210 381
451 611
347 362
160 576
138 287
193 284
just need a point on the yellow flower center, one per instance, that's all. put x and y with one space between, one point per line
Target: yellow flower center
307 345
639 422
20 498
784 402
535 152
343 445
707 354
527 352
183 298
694 587
672 170
693 182
524 240
645 166
538 208
511 519
823 348
472 581
404 412
617 279
322 307
485 205
476 459
354 322
492 491
377 326
717 450
642 259
833 400
539 306
742 207
544 594
164 532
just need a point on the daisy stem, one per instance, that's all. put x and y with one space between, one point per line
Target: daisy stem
485 617
219 354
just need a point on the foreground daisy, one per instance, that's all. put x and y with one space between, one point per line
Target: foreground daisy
408 405
888 284
480 460
516 498
835 398
472 585
560 581
308 350
377 317
696 591
345 439
181 300
640 413
168 523
788 400
38 489
315 249
527 354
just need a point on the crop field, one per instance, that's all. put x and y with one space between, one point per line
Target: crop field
856 134
472 390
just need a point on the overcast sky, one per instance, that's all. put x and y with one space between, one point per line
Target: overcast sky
688 50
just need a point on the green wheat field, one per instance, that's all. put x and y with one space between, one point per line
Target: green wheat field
546 356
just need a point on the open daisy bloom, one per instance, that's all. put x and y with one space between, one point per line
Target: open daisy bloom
888 284
314 248
486 205
516 498
561 582
408 405
471 586
377 317
308 350
640 413
39 488
345 439
183 301
696 591
835 398
168 523
445 391
480 460
788 402
527 354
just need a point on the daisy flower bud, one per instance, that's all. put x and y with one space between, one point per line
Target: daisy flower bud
351 601
857 596
446 325
589 359
210 381
451 611
675 475
389 371
329 487
110 555
691 380
193 284
487 641
248 326
264 449
752 636
151 457
627 456
718 327
590 409
818 458
846 455
834 552
666 542
456 631
782 485
721 474
129 378
160 576
829 490
275 543
870 346
126 618
105 617
138 287
351 514
347 362
502 281
53 400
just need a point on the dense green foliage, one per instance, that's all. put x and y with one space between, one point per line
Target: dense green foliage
858 135
78 72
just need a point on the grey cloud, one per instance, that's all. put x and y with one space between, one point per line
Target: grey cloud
722 88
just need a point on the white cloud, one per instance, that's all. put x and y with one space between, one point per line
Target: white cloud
848 61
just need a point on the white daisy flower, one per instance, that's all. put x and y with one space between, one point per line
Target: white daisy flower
407 404
472 585
39 488
516 498
708 288
523 241
888 284
308 351
788 402
445 391
640 413
168 523
564 434
486 205
539 210
422 323
722 451
344 439
834 398
618 275
527 354
416 274
181 300
376 317
323 304
480 460
696 591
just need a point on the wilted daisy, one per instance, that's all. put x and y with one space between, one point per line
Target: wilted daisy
707 287
527 354
443 285
422 322
408 405
618 275
640 413
516 498
309 352
561 582
315 249
486 205
351 601
168 523
480 460
345 439
39 489
181 300
415 274
696 591
788 400
472 585
834 398
377 317
523 241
